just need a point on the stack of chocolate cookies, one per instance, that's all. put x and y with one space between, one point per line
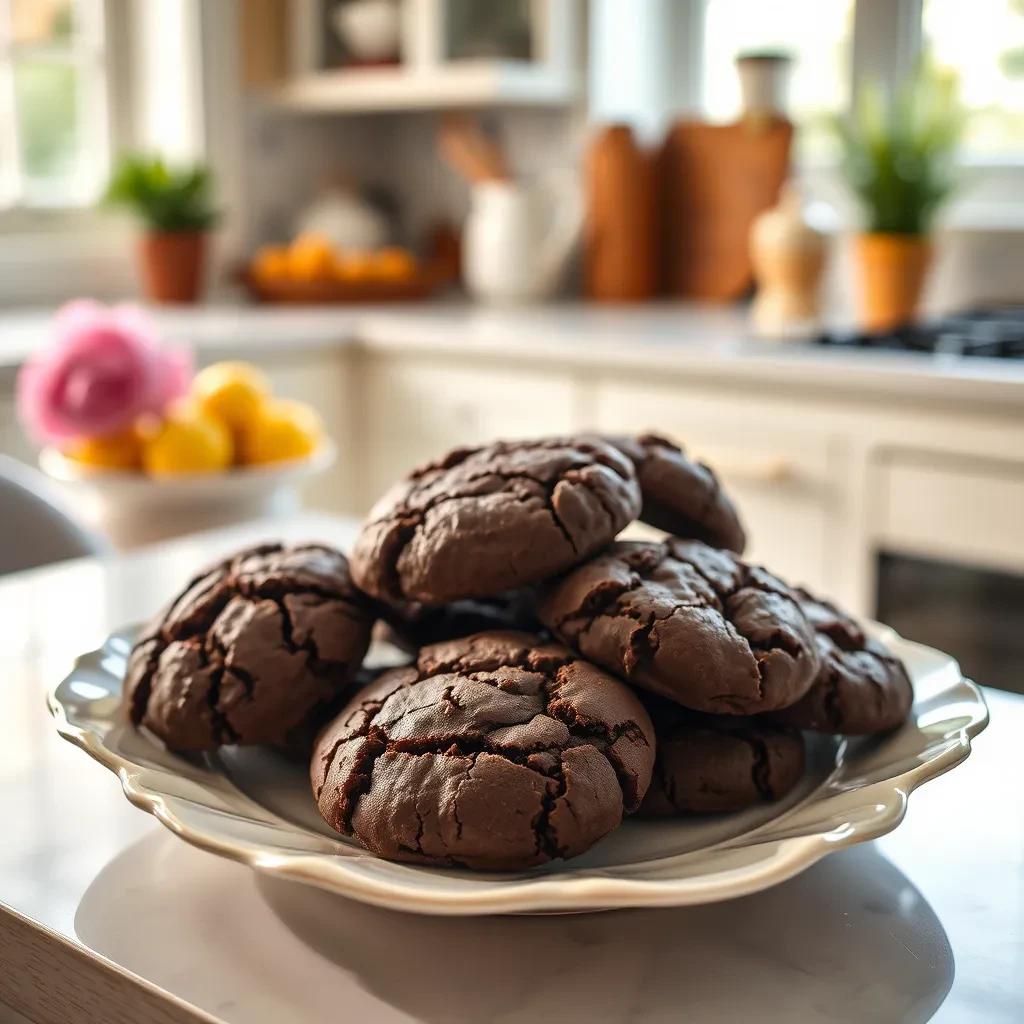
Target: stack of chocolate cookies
559 679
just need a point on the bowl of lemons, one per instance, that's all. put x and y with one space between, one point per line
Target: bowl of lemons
228 451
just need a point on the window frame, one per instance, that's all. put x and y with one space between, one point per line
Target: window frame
22 214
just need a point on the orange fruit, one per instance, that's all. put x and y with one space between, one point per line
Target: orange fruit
122 450
393 264
354 268
270 264
311 258
284 431
187 441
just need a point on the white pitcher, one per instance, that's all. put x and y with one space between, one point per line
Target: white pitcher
518 238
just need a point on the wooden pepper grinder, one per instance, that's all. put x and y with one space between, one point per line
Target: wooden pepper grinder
620 248
788 255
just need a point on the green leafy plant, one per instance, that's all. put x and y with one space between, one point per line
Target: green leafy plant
165 198
897 151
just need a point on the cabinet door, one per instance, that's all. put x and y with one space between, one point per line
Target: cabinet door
777 474
415 409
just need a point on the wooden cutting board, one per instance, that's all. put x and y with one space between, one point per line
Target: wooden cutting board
715 180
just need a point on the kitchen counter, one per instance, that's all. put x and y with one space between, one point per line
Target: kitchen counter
711 343
106 915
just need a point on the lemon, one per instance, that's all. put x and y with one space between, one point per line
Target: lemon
122 450
285 430
233 393
187 441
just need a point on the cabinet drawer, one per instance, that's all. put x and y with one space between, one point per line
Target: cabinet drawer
971 512
779 477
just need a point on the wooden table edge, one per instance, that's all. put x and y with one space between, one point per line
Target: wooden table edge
51 979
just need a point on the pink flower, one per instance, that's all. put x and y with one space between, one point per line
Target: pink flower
104 369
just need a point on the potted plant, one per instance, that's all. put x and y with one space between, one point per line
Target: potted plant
897 155
176 208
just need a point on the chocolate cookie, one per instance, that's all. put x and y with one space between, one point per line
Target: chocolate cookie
487 520
493 751
687 621
682 496
410 625
709 764
861 688
250 649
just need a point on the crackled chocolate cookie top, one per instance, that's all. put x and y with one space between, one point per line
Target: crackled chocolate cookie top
709 764
861 688
485 520
493 751
250 649
687 621
410 625
680 495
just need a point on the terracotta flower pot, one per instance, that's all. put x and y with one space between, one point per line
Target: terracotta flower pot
172 265
892 270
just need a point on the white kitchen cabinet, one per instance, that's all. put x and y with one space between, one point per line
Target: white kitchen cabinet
784 478
950 509
416 409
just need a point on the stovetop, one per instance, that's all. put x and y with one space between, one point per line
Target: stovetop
994 331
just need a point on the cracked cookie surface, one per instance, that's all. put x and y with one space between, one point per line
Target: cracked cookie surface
711 764
249 650
493 751
692 623
681 495
482 521
861 688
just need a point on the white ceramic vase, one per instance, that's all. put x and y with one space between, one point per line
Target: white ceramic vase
518 238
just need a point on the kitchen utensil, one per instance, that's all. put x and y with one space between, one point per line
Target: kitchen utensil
620 244
715 180
469 150
518 237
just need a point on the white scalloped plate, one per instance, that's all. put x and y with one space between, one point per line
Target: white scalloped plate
253 806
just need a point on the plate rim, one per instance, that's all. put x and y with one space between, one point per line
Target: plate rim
589 889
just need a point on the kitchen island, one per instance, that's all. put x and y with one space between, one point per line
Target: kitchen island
104 915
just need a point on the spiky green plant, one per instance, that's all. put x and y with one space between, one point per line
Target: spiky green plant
165 198
897 151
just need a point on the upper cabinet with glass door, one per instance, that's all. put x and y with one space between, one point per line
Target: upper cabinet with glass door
360 56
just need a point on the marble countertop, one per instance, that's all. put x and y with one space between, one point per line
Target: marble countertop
699 342
927 922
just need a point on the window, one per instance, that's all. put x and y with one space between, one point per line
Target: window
818 36
985 50
54 123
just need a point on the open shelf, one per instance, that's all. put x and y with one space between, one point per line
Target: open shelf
484 83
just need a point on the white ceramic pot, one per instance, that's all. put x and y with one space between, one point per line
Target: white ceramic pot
763 82
518 239
371 30
132 509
